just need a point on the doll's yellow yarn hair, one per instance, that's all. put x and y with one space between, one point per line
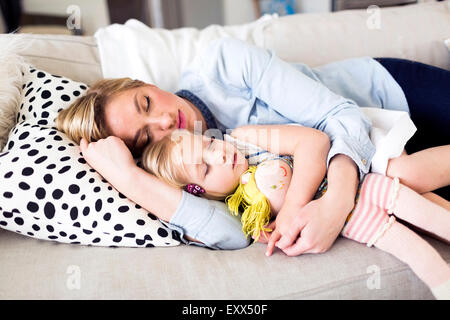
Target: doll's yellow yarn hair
255 204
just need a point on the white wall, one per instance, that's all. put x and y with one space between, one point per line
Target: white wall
94 13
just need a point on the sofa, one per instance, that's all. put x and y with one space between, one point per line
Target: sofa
38 269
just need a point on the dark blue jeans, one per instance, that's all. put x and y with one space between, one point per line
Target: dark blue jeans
427 90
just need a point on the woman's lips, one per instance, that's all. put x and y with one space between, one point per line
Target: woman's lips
234 160
181 120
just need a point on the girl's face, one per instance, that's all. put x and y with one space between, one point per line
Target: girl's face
142 115
213 164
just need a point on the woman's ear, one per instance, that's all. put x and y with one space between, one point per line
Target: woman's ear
194 189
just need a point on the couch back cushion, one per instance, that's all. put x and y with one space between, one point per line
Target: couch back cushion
415 32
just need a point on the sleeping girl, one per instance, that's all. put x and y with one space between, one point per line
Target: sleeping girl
256 184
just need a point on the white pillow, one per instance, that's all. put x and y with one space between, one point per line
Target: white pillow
159 56
48 191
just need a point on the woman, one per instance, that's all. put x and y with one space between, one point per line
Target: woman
232 84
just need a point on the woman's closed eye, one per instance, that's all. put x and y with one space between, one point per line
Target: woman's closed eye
147 109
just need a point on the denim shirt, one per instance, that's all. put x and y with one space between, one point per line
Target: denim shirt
241 84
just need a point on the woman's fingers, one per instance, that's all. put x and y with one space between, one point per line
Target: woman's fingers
274 237
83 144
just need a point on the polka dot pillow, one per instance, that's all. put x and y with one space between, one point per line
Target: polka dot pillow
47 189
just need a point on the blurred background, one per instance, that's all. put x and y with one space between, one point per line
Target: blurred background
84 17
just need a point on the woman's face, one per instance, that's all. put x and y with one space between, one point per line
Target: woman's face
213 164
142 115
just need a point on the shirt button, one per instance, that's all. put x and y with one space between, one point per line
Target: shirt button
364 161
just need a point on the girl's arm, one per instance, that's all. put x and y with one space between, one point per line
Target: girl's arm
200 220
308 146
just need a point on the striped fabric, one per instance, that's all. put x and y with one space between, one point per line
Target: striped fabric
368 220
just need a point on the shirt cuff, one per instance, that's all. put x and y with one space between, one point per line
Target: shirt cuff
208 221
360 153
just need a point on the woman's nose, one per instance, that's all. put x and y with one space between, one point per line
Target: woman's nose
165 122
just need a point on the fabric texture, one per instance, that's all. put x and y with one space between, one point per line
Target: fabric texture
49 192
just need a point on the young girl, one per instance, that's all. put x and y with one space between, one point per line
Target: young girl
214 168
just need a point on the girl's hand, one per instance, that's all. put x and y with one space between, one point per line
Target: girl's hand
110 157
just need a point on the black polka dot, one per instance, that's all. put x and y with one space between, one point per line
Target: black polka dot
57 194
74 213
74 189
117 239
24 135
107 217
49 210
65 97
32 206
118 227
47 104
40 74
8 174
40 193
28 171
98 205
86 211
36 227
45 94
162 232
8 194
96 240
50 228
19 221
40 159
24 186
140 222
64 169
123 208
48 178
32 152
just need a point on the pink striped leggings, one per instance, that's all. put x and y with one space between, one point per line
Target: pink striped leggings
372 213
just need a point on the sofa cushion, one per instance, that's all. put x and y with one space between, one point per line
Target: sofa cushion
414 32
75 57
349 270
48 191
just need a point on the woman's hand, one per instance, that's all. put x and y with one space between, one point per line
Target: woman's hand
313 229
110 157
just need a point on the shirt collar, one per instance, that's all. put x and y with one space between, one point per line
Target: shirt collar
209 118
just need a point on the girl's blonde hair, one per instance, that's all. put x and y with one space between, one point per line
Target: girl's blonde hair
85 118
162 159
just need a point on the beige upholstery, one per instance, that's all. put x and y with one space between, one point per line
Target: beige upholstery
74 57
415 32
35 269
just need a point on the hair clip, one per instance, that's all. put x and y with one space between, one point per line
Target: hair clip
194 189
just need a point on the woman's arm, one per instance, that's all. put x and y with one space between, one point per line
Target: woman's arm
201 220
308 146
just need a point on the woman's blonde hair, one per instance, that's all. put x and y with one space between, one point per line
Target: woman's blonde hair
85 118
165 161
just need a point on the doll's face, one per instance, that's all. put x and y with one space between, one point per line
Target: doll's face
213 164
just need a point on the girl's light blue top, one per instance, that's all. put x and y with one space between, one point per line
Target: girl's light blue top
242 84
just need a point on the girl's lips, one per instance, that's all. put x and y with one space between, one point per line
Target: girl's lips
234 160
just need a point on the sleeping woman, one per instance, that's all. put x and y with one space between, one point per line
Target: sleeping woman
231 84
